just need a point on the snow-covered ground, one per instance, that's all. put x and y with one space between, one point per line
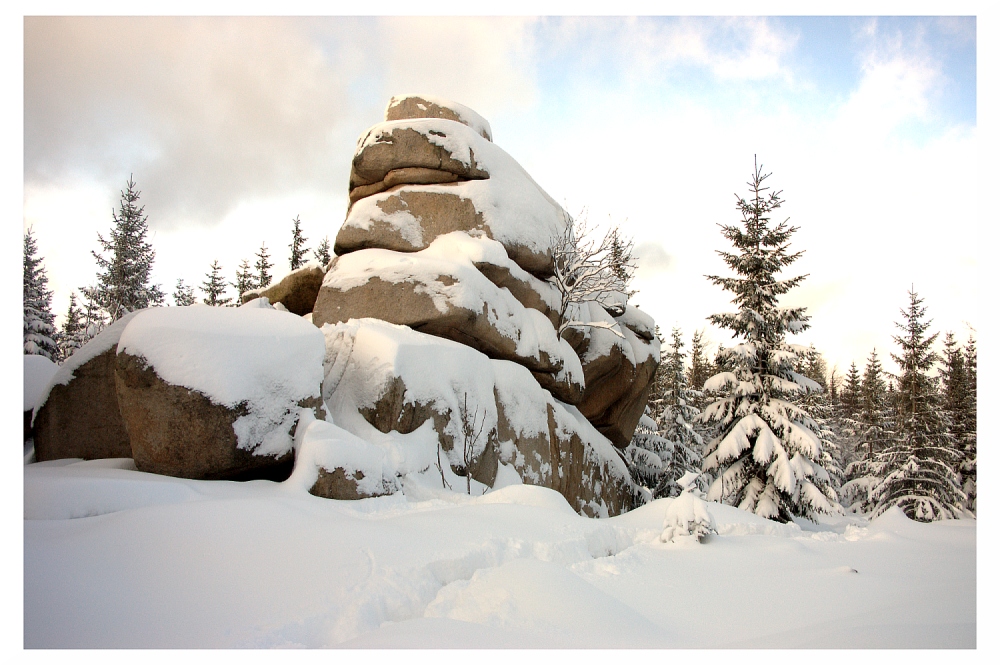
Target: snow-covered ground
118 558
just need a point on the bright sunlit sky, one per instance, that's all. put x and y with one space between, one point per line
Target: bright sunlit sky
233 126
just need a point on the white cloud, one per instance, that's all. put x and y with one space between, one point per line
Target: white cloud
898 82
732 49
484 63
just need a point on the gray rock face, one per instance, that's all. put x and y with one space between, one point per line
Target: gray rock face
338 484
81 419
413 180
79 416
449 300
401 156
297 291
617 374
378 370
405 107
214 392
176 431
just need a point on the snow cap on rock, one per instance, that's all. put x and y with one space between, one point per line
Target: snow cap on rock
403 107
105 340
253 355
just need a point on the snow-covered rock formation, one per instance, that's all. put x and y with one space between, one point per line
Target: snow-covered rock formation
437 346
447 234
215 392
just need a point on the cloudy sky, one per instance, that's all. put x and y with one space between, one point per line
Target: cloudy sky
233 126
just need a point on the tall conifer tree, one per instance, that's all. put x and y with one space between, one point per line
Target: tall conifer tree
215 286
71 336
322 253
873 429
298 245
125 264
674 421
970 457
958 401
262 266
918 467
767 456
40 335
244 282
850 395
183 294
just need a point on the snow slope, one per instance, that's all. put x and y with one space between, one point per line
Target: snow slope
118 558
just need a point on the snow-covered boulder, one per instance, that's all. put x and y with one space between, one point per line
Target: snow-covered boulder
383 378
415 179
441 292
296 291
402 154
214 392
77 415
618 368
332 463
38 372
404 107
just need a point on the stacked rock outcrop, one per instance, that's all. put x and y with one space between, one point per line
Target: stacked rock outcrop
447 234
430 340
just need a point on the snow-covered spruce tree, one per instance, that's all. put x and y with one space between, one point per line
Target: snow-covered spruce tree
245 281
665 447
918 468
850 395
94 317
322 253
812 365
700 370
846 411
674 421
621 264
970 454
959 403
645 454
646 451
819 405
215 287
40 335
591 270
262 266
767 456
873 429
183 294
123 275
71 335
298 246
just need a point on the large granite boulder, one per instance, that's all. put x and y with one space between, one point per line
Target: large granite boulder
296 291
490 193
440 291
332 463
77 416
618 367
389 379
214 392
400 154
